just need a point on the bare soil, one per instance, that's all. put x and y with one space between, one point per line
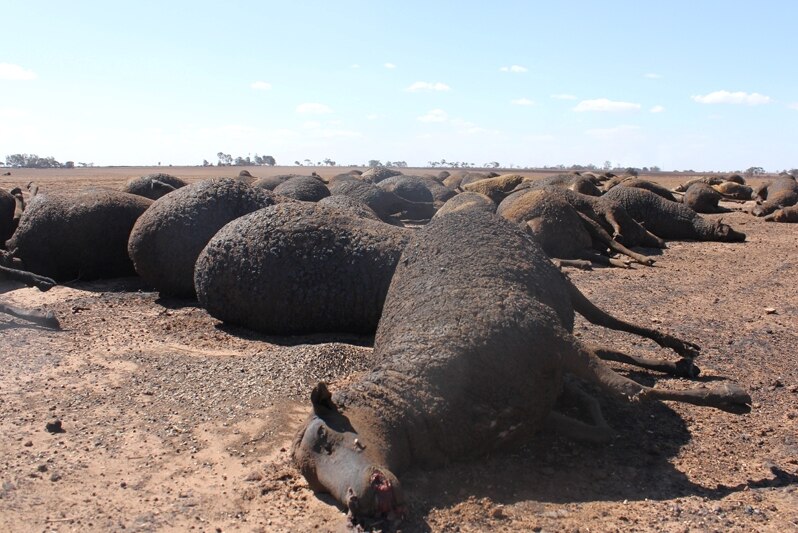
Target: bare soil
175 422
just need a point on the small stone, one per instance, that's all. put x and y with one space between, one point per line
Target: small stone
54 426
770 310
28 444
123 485
253 476
498 513
55 476
42 468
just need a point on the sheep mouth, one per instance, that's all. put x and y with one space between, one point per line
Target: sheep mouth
384 497
387 510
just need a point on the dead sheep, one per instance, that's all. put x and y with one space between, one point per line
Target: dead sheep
78 235
153 186
496 188
573 226
377 174
8 206
671 220
785 214
166 241
471 351
299 268
703 198
466 201
386 204
303 188
779 193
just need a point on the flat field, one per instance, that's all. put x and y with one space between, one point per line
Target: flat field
175 422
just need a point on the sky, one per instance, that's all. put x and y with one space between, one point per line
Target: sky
699 85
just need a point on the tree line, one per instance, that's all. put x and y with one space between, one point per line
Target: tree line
34 161
226 160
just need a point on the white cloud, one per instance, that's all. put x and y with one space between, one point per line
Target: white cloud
12 112
739 97
657 109
624 131
603 104
563 96
311 108
653 76
354 65
436 115
9 71
373 116
793 105
261 85
427 86
522 101
389 65
332 133
514 68
543 137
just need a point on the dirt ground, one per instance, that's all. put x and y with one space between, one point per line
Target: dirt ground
174 422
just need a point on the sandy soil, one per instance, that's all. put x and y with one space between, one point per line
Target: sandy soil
174 422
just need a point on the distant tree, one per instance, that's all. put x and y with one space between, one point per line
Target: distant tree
655 168
400 164
793 172
224 159
297 163
329 162
308 162
31 161
607 165
268 160
205 163
374 163
493 164
240 161
432 164
754 171
69 164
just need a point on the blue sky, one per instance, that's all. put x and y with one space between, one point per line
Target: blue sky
704 85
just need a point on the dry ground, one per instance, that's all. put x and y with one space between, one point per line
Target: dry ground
174 422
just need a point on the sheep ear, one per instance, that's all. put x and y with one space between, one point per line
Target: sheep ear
321 399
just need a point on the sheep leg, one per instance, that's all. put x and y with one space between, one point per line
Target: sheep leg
616 226
598 233
28 278
603 260
574 263
587 309
599 431
584 363
651 241
683 368
47 320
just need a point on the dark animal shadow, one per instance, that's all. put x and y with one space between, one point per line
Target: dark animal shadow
649 380
173 302
20 323
550 469
649 251
296 340
125 284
